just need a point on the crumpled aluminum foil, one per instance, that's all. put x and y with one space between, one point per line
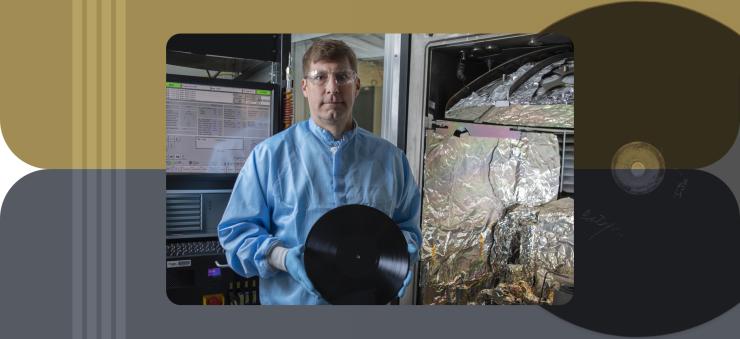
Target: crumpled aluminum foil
527 91
469 183
459 204
558 95
529 105
488 95
507 237
517 292
531 91
501 91
549 244
468 113
559 116
539 241
538 172
536 237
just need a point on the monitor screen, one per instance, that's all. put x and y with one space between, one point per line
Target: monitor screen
212 127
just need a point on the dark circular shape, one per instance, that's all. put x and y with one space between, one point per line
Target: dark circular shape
356 254
630 276
638 167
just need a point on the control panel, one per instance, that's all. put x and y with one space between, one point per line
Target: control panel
194 247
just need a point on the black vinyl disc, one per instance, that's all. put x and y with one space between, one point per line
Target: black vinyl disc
356 255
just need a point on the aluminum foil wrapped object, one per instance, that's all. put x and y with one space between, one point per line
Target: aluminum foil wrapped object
507 237
533 92
558 116
564 94
488 95
469 183
549 243
468 113
517 292
540 241
459 204
501 91
529 105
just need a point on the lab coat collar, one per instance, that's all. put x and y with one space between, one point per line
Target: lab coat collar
327 138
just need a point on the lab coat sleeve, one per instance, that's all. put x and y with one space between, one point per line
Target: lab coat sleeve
244 227
408 210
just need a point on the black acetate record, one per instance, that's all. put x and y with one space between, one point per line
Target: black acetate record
356 254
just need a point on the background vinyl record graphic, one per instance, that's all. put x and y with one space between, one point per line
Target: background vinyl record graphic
638 167
656 234
356 254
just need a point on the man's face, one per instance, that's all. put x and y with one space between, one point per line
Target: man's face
330 93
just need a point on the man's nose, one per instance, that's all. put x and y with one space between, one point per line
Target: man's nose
331 85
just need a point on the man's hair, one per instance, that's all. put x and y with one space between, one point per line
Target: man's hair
328 50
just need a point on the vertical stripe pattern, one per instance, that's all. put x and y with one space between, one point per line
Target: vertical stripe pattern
98 147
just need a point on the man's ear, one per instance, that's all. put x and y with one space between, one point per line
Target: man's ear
357 87
303 88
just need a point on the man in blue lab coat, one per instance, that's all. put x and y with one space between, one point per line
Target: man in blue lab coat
291 179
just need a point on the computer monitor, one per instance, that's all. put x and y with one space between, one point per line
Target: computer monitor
213 124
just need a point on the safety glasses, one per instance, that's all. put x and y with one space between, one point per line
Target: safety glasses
321 78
